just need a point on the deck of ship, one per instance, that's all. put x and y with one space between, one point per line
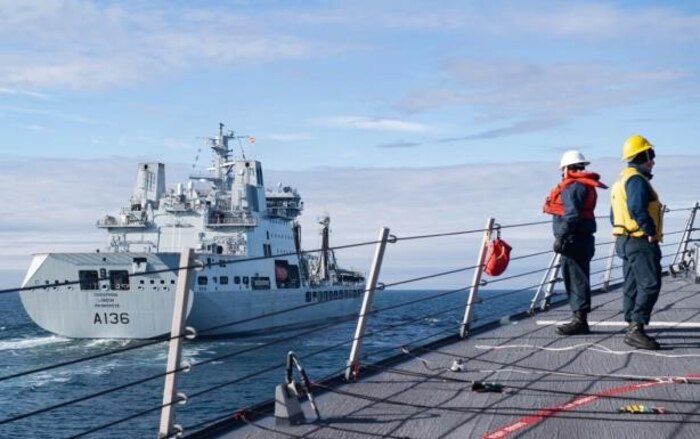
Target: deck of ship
553 386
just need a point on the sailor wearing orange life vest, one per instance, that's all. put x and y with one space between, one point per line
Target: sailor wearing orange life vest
572 203
637 218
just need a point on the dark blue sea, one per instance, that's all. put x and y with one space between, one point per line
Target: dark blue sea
226 374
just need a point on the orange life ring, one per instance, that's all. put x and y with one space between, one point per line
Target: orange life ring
498 258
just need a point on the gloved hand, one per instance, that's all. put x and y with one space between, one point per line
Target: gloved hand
561 243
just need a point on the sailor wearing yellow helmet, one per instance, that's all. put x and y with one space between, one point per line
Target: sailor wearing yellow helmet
637 224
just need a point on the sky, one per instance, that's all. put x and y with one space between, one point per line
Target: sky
382 112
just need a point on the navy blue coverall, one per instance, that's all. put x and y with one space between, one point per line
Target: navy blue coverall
580 248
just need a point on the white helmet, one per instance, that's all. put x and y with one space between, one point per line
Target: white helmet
573 157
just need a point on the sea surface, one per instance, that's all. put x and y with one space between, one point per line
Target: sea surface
227 374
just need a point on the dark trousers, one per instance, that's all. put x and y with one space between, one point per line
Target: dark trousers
576 271
641 267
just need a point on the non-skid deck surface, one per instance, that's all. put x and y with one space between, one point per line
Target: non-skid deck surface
553 386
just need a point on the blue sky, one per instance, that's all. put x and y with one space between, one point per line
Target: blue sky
356 84
423 116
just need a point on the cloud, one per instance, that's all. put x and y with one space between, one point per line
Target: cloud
400 144
61 115
528 89
287 137
81 45
19 92
523 127
374 124
513 19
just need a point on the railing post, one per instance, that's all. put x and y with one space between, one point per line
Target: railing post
367 302
476 279
608 266
177 331
540 288
685 239
549 289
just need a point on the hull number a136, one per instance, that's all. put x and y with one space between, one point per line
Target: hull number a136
111 318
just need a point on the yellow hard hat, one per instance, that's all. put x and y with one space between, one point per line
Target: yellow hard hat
634 145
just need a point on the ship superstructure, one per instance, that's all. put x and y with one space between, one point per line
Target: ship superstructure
245 237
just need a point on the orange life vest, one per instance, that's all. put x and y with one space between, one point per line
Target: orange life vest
553 204
498 258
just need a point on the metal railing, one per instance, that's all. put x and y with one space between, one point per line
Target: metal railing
461 308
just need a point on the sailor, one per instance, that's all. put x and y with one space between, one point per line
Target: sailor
572 203
637 217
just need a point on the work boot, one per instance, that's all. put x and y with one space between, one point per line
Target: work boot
637 338
577 326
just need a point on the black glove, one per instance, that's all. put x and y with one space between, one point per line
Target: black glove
561 243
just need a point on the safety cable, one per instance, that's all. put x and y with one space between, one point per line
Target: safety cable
122 420
430 336
603 270
160 375
513 292
82 359
534 223
598 244
326 349
87 397
114 389
430 276
424 299
323 350
514 276
681 209
437 235
197 265
530 255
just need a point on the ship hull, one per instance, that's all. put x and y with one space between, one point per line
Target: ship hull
132 295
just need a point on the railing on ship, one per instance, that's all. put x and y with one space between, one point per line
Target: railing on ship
527 287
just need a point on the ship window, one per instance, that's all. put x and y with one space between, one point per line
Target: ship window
308 296
223 280
236 280
88 279
246 280
260 283
286 275
202 280
119 279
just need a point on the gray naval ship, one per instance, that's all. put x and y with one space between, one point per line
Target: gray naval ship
246 239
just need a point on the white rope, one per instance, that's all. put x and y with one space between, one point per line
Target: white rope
590 347
462 368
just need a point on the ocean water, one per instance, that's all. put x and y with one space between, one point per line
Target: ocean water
226 373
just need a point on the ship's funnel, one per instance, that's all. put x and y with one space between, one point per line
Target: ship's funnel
150 184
